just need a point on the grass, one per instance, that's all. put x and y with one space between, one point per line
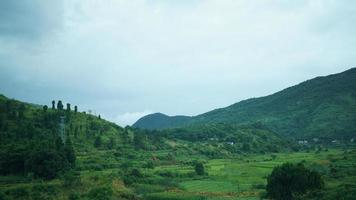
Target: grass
243 177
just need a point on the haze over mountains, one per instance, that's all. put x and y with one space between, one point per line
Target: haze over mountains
323 106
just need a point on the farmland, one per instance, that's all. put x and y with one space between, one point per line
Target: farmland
241 177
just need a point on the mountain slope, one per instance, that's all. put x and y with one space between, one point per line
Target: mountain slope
321 106
159 121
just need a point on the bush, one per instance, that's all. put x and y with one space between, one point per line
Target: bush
290 180
199 169
149 164
134 176
259 186
2 196
12 159
129 180
73 196
18 193
43 188
167 173
45 164
71 179
102 193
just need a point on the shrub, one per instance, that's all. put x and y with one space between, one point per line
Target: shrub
71 179
2 196
43 188
149 164
18 193
45 164
73 196
199 169
102 193
136 173
259 186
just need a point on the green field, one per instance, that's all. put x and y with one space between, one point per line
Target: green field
242 177
245 178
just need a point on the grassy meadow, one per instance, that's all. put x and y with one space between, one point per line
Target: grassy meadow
101 175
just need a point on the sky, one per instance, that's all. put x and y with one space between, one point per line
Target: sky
124 59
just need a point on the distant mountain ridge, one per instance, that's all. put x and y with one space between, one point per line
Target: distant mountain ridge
323 106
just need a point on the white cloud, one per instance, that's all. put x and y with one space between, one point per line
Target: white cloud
129 118
177 57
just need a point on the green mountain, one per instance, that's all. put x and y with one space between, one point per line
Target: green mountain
161 121
323 106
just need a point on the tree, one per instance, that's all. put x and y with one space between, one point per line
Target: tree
76 132
290 180
12 159
45 164
102 193
71 179
22 109
59 144
199 168
53 104
126 137
246 147
75 109
111 143
2 122
97 142
68 106
60 105
69 152
99 117
139 141
45 108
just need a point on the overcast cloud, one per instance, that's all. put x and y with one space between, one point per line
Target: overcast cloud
128 58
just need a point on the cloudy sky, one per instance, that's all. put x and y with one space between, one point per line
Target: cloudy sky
127 58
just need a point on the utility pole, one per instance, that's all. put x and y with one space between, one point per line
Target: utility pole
62 128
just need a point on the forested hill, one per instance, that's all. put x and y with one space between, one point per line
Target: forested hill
43 140
160 121
323 106
32 141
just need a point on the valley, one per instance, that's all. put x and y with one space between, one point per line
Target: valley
59 152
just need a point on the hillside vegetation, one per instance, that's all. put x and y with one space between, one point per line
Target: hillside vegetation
77 154
320 107
57 152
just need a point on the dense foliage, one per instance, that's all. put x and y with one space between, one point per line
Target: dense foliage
289 181
199 169
30 142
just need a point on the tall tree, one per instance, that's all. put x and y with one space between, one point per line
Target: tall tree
53 104
75 109
60 105
45 108
68 106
